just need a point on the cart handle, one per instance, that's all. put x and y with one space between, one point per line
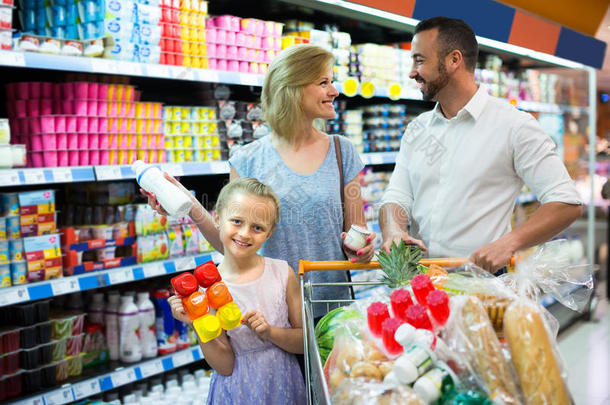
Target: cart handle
307 265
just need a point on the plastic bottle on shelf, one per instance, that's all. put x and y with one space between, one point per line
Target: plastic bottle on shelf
112 324
130 347
147 334
95 311
171 198
183 340
164 322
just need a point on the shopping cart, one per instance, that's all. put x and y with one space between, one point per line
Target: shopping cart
315 383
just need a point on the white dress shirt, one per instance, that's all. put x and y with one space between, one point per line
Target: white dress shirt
458 179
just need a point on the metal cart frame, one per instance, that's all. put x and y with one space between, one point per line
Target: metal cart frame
315 383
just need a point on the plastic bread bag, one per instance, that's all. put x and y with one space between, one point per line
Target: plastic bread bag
534 355
548 270
470 335
358 391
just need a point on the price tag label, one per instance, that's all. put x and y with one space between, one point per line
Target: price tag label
219 167
154 270
58 397
151 368
185 263
123 377
184 74
65 286
182 358
108 172
120 276
174 169
100 65
30 401
12 58
86 389
248 79
9 177
33 176
14 295
206 75
157 70
61 175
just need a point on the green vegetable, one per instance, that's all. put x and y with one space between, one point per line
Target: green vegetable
327 327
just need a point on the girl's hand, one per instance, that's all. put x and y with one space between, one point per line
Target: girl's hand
178 311
364 254
257 323
152 199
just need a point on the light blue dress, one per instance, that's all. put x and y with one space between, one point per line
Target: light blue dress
311 221
263 374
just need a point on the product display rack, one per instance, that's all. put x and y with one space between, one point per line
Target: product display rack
85 388
48 176
98 279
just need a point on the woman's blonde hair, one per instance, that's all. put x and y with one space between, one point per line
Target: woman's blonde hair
248 185
291 70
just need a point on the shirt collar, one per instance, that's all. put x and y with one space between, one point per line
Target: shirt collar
474 107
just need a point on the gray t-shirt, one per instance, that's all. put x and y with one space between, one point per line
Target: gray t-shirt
311 221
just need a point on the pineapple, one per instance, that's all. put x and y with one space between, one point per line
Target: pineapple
401 265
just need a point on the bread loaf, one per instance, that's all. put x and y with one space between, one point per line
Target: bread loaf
533 357
486 352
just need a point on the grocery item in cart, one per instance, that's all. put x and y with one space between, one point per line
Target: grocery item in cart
362 392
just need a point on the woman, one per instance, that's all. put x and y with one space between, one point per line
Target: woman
300 164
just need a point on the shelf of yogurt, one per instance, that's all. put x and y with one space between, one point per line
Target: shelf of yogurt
69 393
89 281
50 175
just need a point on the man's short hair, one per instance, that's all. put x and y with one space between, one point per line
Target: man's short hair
453 34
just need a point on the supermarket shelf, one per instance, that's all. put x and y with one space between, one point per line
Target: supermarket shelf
116 67
526 198
551 108
22 177
98 279
102 243
55 175
121 376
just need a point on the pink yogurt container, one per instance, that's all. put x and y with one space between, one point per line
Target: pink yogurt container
221 51
71 123
58 91
233 66
34 90
44 159
104 157
81 107
102 108
93 125
62 141
46 90
82 124
72 141
257 42
231 52
93 90
244 67
60 123
10 109
83 141
113 109
73 158
62 158
221 36
47 124
10 89
221 64
67 91
22 90
67 107
103 125
230 38
20 108
81 90
46 106
213 63
92 109
34 124
83 157
94 157
210 35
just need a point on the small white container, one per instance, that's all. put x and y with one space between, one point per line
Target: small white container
356 237
171 198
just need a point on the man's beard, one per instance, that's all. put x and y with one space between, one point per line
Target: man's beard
433 87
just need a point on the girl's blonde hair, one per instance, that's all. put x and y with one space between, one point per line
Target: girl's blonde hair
291 70
248 185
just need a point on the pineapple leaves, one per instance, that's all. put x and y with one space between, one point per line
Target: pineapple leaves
401 264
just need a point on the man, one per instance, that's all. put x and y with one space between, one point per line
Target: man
462 165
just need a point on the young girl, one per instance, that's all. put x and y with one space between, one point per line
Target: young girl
253 363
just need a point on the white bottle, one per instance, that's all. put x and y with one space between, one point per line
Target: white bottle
147 332
112 325
171 198
130 349
95 311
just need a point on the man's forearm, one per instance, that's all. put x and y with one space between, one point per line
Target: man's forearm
392 219
545 223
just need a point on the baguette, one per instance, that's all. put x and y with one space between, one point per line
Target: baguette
533 357
486 353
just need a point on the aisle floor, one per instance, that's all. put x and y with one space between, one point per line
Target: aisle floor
585 348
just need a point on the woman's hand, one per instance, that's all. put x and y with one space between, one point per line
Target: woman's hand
258 324
178 311
152 199
362 255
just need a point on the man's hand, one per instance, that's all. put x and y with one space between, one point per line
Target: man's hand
258 324
493 256
397 237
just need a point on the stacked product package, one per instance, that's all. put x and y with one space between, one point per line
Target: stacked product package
183 33
11 153
191 134
6 24
29 246
84 123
